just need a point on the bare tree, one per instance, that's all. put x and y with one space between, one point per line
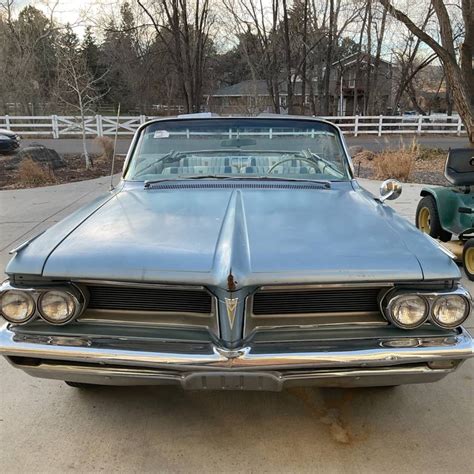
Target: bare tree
261 23
28 43
459 72
78 90
184 28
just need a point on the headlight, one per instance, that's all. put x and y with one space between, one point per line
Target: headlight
17 306
408 311
58 307
450 311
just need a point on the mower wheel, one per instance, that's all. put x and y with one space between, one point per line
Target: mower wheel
427 219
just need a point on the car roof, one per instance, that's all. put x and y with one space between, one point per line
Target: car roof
262 116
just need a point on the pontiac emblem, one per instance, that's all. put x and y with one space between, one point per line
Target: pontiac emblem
231 305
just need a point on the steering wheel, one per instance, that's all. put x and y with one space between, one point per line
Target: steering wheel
284 160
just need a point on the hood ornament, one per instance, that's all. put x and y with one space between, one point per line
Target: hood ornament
231 306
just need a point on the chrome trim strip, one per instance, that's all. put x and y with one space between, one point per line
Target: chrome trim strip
374 352
324 286
131 284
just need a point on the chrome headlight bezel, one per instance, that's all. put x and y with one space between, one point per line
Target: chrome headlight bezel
458 323
29 297
76 292
392 302
68 294
431 297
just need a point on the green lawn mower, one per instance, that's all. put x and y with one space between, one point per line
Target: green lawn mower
446 211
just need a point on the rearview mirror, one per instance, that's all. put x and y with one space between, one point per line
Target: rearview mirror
390 190
238 142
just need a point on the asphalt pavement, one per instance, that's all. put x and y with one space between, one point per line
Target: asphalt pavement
46 426
373 143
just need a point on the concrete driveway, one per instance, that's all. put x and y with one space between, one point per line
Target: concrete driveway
46 426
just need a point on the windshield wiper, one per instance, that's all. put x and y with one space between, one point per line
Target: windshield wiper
314 157
150 182
323 182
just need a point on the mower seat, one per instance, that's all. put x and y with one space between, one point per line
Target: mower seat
459 169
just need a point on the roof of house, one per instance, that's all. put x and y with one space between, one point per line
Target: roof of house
244 88
259 86
352 58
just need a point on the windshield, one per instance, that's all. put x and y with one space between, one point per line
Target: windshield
238 148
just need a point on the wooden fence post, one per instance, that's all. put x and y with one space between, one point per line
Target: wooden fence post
7 122
98 121
459 129
356 125
54 123
380 125
420 124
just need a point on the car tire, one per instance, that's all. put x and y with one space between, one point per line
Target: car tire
427 219
468 259
83 386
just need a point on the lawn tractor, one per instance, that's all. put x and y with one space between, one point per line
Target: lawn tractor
444 211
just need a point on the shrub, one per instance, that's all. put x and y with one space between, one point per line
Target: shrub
107 146
396 164
31 173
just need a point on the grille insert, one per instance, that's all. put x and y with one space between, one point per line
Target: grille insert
316 301
149 299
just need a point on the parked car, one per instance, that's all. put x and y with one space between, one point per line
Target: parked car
410 116
236 253
9 141
444 211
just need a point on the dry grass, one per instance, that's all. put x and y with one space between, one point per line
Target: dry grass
31 173
397 163
394 164
107 146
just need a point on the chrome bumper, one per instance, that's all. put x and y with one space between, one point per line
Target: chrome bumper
259 366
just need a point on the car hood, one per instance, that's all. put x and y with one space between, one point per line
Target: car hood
259 236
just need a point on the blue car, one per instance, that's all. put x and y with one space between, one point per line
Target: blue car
236 253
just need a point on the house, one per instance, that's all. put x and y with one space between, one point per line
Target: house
349 83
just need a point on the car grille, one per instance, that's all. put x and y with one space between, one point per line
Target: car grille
313 308
149 299
152 306
317 301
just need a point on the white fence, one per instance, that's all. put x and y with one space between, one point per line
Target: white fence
56 126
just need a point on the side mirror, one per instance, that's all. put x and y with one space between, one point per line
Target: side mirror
390 189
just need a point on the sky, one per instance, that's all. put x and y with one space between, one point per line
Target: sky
67 11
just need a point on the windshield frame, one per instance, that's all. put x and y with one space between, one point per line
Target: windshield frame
346 160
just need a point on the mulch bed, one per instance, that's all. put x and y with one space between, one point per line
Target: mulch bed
428 168
75 170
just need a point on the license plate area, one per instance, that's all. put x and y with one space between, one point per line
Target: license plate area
258 381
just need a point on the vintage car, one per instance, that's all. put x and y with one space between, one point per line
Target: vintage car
236 253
